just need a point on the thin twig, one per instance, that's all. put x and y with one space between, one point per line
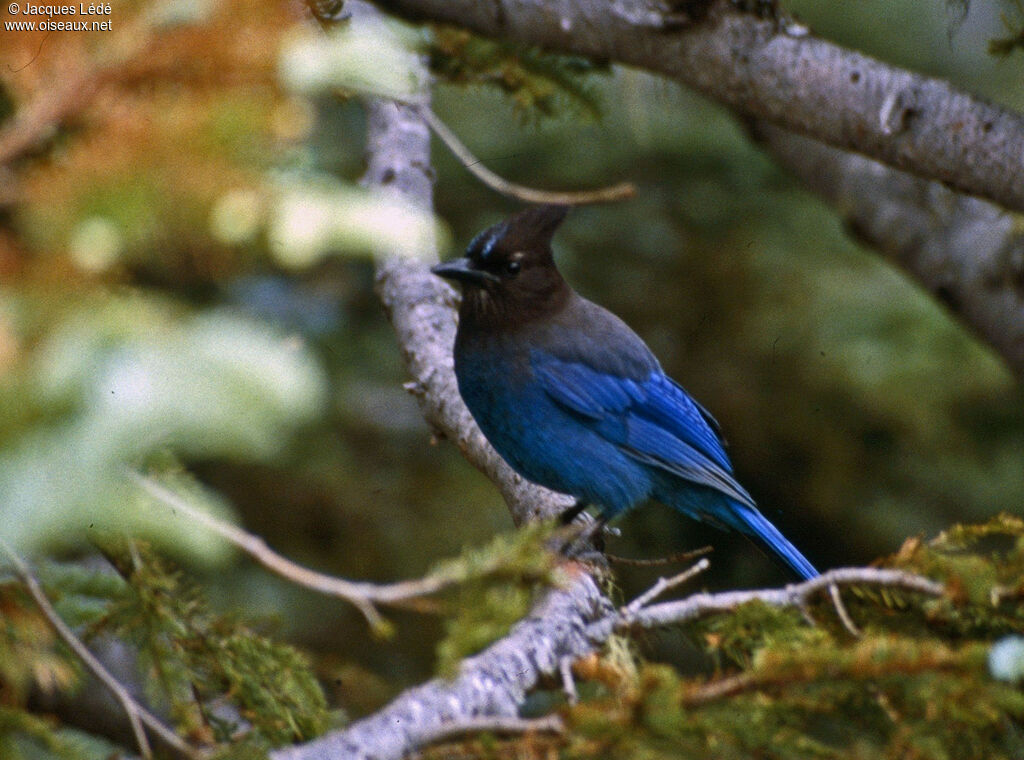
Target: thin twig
491 724
617 192
795 595
722 687
663 585
841 611
568 682
137 714
867 670
362 595
671 559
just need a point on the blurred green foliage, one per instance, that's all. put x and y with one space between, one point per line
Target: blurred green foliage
1013 24
24 736
191 656
168 300
539 84
119 378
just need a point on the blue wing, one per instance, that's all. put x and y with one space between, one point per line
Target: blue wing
653 420
656 422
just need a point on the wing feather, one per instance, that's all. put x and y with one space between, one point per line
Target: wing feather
653 420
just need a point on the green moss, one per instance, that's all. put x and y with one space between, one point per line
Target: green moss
496 587
195 657
540 84
915 684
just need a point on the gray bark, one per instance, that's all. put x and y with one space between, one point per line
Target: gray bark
967 252
493 683
422 310
780 73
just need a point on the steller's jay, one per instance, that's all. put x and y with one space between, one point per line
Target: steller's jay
574 400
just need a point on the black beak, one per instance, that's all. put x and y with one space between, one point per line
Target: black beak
462 270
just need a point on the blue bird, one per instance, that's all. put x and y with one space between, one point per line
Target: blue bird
574 400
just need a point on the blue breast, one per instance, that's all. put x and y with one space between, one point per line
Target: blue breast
543 441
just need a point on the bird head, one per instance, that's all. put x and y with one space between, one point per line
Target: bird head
508 272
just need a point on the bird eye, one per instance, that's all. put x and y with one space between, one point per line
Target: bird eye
513 266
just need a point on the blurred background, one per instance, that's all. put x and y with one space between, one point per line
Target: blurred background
185 283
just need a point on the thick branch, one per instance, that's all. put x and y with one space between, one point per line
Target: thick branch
779 73
968 253
422 312
492 684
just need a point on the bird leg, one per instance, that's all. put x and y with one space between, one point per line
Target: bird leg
587 544
594 533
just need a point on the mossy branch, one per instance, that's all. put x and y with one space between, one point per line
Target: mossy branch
795 595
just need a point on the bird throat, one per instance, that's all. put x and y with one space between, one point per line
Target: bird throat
501 309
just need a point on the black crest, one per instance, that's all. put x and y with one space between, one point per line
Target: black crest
529 230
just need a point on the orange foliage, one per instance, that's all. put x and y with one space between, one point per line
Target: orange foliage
146 125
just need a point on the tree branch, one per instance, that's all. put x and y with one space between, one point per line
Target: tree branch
492 684
138 715
778 72
523 193
361 595
569 624
795 595
967 252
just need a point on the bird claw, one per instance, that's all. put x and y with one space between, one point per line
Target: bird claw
587 543
571 513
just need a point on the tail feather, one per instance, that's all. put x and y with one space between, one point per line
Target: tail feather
718 509
756 526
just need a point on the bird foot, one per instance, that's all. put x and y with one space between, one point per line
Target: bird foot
587 544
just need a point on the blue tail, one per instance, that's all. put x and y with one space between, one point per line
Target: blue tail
753 524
